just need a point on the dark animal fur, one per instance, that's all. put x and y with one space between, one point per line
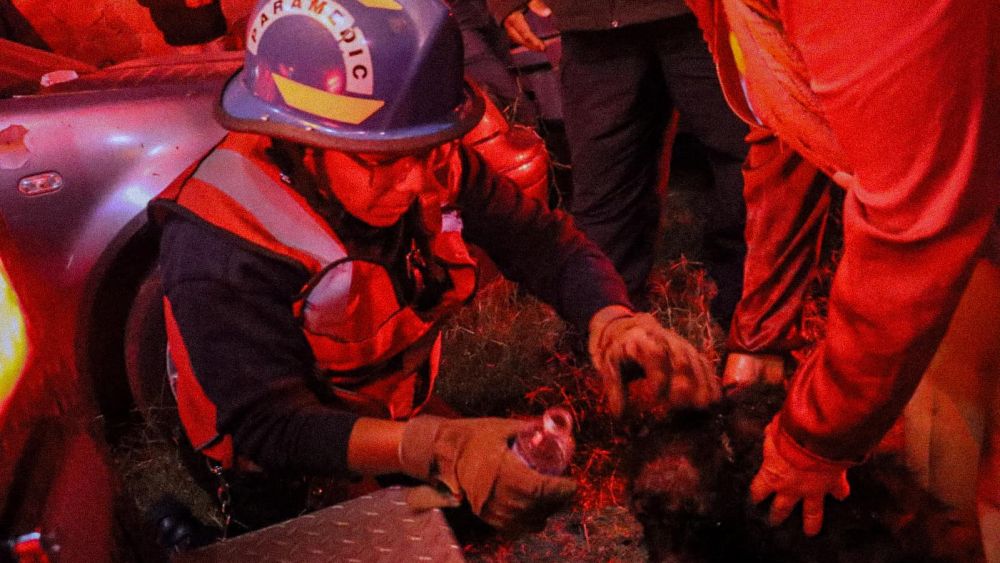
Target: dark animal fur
689 483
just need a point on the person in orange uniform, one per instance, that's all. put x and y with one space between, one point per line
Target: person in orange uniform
897 104
309 261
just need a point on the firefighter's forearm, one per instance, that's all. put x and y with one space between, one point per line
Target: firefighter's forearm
373 448
924 201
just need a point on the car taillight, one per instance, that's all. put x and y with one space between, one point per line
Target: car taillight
13 338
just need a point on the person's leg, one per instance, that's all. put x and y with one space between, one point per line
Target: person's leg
988 493
953 418
694 87
615 109
988 490
987 279
788 202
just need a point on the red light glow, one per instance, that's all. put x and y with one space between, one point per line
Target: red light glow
13 338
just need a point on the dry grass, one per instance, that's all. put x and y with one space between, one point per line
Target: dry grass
151 465
499 350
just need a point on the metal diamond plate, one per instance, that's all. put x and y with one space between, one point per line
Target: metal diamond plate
375 528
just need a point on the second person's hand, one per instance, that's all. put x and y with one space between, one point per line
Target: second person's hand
517 28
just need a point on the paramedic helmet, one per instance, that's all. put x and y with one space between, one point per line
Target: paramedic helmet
376 76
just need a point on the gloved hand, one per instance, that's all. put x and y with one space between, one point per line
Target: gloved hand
473 459
743 370
674 373
792 474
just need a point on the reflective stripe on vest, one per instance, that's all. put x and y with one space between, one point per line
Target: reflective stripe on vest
196 411
271 204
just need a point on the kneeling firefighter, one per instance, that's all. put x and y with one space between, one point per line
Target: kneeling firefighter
310 259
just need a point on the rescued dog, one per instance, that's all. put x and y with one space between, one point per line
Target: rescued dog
689 478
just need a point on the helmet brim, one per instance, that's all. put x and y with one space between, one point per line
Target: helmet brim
240 110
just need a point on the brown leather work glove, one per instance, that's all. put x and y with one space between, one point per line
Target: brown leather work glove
473 459
674 374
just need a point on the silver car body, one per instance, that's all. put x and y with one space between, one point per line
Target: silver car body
79 160
113 139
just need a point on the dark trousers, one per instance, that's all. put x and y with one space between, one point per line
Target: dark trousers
620 87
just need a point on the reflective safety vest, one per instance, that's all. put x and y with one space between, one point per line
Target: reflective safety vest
380 356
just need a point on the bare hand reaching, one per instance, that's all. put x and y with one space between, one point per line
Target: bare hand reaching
518 29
